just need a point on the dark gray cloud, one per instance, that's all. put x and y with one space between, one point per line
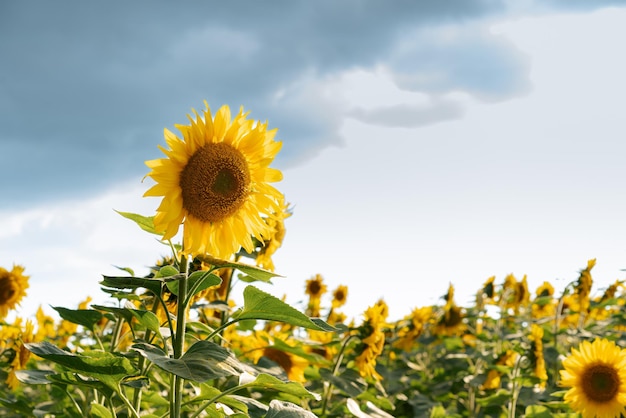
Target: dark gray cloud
87 88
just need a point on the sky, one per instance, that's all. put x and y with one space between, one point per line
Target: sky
424 143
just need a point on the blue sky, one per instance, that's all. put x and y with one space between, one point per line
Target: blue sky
424 142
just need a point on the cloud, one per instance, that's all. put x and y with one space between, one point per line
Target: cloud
86 91
409 116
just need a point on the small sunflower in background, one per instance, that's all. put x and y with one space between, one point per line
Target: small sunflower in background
275 239
596 375
13 285
216 182
340 296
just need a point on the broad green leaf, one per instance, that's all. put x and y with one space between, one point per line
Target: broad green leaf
85 317
34 377
267 381
203 361
254 272
144 222
281 409
116 282
74 379
108 368
100 411
260 305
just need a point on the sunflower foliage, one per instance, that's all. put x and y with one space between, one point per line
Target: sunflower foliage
173 343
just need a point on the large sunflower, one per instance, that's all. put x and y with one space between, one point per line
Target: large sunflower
596 374
13 285
215 181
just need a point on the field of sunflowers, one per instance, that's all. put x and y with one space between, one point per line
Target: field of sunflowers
173 343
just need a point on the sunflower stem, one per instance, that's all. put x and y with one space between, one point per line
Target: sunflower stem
179 338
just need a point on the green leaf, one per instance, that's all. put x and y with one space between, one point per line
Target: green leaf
108 368
281 409
501 397
75 380
100 411
167 271
123 313
267 381
116 282
18 405
145 222
208 392
126 269
85 317
260 305
252 271
203 361
537 411
202 279
34 377
349 381
438 412
147 319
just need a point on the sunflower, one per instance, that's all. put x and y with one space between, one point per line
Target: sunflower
215 181
372 340
13 285
22 355
596 374
340 295
274 241
536 355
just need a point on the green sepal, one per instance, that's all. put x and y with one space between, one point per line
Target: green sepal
144 222
258 304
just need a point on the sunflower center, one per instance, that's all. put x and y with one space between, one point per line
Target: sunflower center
315 288
600 382
215 182
279 357
7 290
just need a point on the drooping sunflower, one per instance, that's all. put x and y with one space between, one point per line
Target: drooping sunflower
275 240
372 340
13 285
596 375
215 181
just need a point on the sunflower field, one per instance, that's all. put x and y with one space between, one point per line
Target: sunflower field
173 343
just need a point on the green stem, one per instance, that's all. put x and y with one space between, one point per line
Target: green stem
516 387
329 388
179 338
127 403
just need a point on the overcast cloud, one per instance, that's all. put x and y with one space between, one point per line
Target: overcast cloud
86 89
